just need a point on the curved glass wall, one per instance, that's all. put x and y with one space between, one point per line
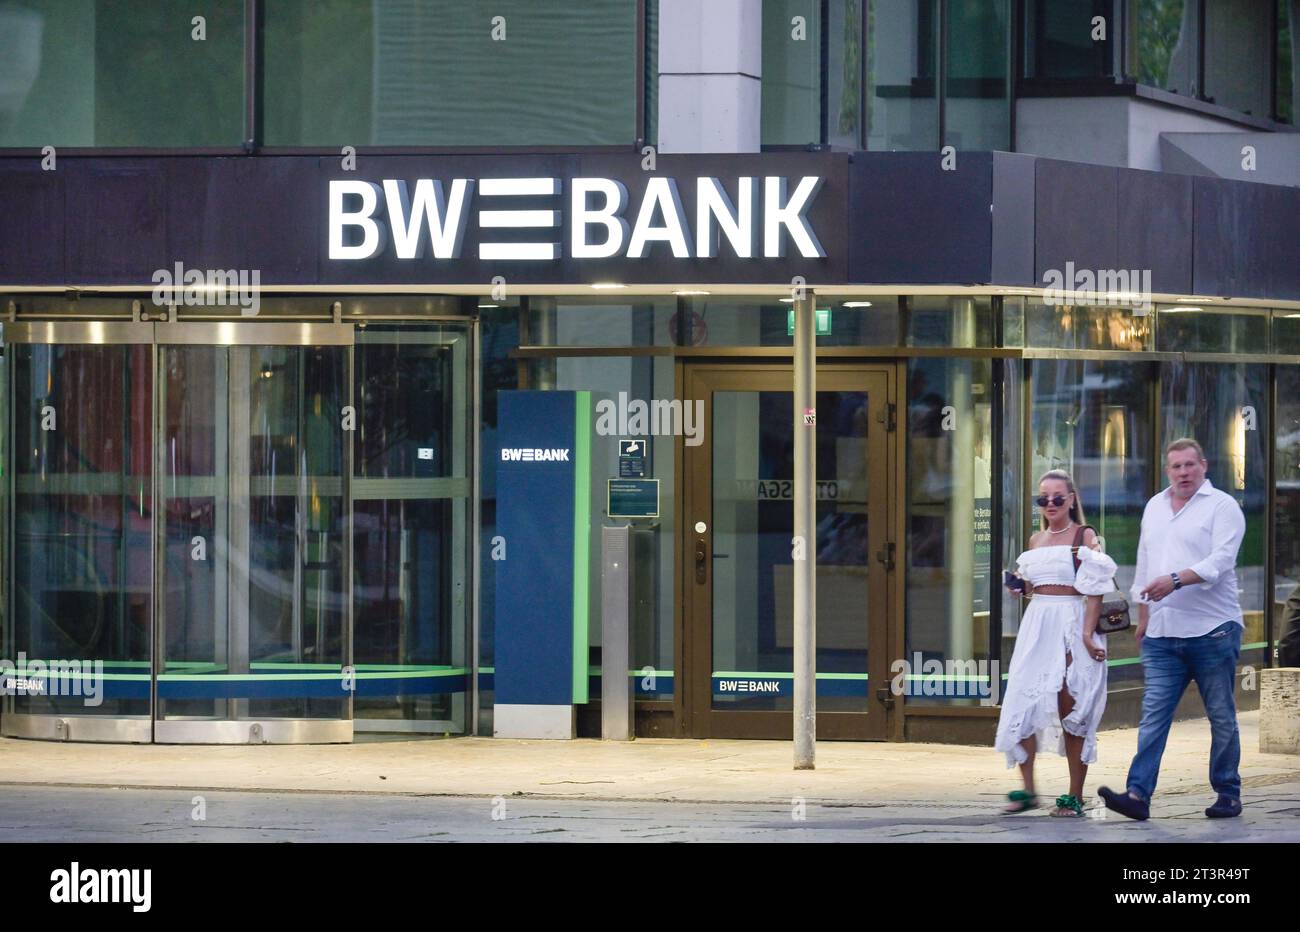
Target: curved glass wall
182 514
78 630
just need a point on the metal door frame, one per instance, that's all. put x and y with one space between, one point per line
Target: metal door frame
694 699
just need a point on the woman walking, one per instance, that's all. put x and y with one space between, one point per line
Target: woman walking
1056 685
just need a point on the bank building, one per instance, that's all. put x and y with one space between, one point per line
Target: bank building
309 312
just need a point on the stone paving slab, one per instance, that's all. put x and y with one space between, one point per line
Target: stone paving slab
726 771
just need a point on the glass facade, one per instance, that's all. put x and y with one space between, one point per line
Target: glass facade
247 524
287 554
812 72
104 73
449 73
846 74
902 69
977 93
949 510
1060 43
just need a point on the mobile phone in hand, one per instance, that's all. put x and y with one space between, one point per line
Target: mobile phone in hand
1012 581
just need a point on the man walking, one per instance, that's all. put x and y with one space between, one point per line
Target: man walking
1189 626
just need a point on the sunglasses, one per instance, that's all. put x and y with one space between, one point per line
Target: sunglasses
1043 501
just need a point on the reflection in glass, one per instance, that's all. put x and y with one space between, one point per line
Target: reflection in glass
1287 477
1163 50
949 500
254 551
1059 39
1078 326
1185 328
412 509
101 73
793 72
1224 406
81 519
1092 419
959 321
1238 31
977 114
444 73
902 107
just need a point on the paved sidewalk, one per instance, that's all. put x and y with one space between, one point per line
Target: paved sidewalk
752 772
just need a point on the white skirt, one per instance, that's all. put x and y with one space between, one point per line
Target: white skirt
1051 628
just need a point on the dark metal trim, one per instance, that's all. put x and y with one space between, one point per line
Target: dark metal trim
1270 521
1015 64
941 68
997 428
641 38
823 71
252 75
768 352
1102 87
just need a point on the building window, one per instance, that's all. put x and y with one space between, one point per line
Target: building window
1237 33
1059 39
1224 406
949 497
902 64
449 73
977 114
812 73
1163 51
1092 418
118 73
1288 45
1286 514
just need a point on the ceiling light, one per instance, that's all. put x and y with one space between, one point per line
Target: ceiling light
857 304
607 285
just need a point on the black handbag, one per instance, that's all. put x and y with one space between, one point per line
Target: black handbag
1114 612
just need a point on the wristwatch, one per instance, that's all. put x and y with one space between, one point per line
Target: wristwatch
1178 583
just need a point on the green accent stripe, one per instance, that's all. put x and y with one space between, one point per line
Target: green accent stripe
725 674
581 540
402 674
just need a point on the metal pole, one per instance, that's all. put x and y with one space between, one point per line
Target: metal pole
805 532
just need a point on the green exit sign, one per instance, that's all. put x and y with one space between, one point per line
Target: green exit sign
823 322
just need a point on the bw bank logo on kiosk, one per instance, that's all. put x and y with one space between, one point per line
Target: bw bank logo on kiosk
765 216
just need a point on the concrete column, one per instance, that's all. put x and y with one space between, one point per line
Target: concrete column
1279 710
710 70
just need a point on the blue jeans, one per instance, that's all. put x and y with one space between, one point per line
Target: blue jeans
1169 664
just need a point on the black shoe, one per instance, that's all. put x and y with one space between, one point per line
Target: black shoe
1125 804
1225 808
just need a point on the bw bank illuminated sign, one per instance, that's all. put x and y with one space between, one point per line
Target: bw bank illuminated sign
762 219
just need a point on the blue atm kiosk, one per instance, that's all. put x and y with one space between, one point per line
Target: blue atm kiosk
544 515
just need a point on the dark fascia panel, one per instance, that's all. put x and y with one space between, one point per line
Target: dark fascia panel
914 222
31 229
1013 219
883 217
1247 240
124 218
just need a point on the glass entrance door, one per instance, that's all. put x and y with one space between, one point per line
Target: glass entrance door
739 525
253 556
179 531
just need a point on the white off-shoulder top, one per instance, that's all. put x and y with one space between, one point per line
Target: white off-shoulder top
1054 566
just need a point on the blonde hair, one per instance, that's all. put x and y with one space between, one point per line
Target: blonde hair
1076 510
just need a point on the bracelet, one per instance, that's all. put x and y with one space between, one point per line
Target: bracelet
1178 583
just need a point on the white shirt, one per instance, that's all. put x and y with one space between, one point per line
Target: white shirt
1203 536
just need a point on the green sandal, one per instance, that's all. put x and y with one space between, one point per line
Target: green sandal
1023 802
1073 807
